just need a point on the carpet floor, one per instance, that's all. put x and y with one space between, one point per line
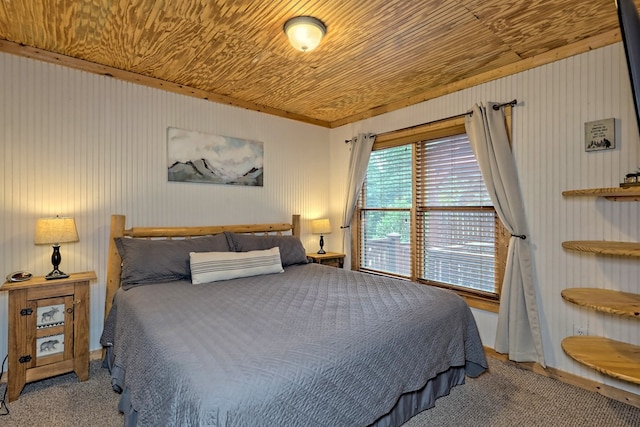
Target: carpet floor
505 396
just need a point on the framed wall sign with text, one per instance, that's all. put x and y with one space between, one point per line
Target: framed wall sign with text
600 135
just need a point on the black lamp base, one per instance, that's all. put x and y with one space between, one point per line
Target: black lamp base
321 251
56 274
55 260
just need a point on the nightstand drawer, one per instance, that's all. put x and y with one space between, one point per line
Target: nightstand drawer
50 291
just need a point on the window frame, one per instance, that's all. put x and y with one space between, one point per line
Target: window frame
434 130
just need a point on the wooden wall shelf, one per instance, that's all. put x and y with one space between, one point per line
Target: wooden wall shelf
604 248
605 300
616 194
613 358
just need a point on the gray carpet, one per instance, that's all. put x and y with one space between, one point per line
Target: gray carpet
506 396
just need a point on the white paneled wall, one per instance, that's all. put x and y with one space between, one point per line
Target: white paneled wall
88 146
554 102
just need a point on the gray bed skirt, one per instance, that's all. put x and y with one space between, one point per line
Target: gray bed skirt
411 404
408 405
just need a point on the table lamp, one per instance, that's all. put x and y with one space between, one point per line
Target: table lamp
55 231
321 227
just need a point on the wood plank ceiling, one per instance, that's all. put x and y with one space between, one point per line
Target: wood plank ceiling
377 56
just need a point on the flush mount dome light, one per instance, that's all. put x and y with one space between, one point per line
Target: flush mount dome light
304 32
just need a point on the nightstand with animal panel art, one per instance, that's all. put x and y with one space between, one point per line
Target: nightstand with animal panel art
48 329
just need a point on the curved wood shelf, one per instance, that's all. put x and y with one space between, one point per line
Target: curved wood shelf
605 300
604 247
614 358
622 194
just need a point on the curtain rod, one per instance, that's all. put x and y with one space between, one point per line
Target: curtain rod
496 107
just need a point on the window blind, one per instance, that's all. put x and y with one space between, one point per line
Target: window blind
456 221
389 179
385 221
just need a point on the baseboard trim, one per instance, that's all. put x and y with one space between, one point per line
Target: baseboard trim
565 377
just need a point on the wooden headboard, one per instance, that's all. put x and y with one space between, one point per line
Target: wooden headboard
114 262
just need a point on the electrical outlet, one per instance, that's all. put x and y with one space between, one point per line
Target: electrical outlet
580 330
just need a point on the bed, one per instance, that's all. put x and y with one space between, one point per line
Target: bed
230 326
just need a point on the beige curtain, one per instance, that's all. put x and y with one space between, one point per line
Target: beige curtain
361 146
518 333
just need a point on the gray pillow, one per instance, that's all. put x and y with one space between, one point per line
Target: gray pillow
157 261
291 249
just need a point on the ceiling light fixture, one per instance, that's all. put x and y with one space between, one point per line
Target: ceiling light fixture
305 32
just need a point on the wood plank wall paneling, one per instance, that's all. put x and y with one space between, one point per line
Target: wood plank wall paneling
79 144
554 102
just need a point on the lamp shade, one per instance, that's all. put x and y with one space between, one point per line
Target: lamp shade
55 230
304 32
321 226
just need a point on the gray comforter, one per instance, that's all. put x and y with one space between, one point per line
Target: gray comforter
313 346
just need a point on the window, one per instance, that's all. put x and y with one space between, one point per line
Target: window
425 215
386 216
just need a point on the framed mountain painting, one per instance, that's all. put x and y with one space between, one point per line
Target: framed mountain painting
213 159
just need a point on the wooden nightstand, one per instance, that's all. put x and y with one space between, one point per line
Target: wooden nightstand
333 259
48 329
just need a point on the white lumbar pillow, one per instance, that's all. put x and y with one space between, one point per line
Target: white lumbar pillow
214 266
